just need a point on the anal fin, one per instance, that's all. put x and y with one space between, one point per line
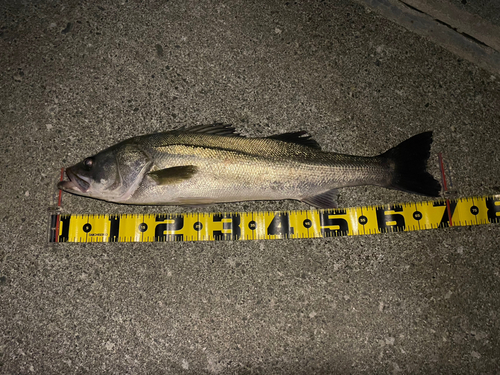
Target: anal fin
328 199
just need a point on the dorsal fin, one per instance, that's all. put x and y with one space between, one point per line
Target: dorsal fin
301 138
213 129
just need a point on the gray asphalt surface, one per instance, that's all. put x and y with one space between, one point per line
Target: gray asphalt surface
76 78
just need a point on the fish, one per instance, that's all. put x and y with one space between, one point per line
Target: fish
208 164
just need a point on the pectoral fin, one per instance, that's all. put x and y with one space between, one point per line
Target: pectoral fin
173 175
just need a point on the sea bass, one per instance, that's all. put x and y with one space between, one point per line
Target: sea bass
213 164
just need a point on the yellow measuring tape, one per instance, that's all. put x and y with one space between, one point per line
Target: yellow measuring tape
272 225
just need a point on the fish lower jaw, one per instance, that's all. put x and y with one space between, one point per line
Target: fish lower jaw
69 186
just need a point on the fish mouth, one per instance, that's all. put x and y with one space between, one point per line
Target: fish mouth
74 183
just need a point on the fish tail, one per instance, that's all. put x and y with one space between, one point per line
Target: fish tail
409 162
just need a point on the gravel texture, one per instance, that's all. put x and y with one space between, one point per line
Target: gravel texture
76 77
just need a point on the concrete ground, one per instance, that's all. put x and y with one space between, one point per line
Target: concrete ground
487 9
76 78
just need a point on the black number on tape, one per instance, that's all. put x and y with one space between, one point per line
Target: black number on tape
390 222
493 210
114 228
175 223
65 228
328 220
445 220
233 225
280 226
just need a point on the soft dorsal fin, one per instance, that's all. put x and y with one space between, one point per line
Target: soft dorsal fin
173 175
213 129
301 138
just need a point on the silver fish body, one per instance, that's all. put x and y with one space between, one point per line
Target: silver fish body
213 164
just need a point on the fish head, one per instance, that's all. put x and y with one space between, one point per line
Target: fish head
113 174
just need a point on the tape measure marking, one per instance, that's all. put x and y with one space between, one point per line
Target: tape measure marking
269 225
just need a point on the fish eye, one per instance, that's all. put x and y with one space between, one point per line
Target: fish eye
89 162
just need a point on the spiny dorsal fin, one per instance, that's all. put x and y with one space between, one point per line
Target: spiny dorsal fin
214 129
301 138
173 175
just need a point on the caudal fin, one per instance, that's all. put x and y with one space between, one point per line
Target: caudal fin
409 159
